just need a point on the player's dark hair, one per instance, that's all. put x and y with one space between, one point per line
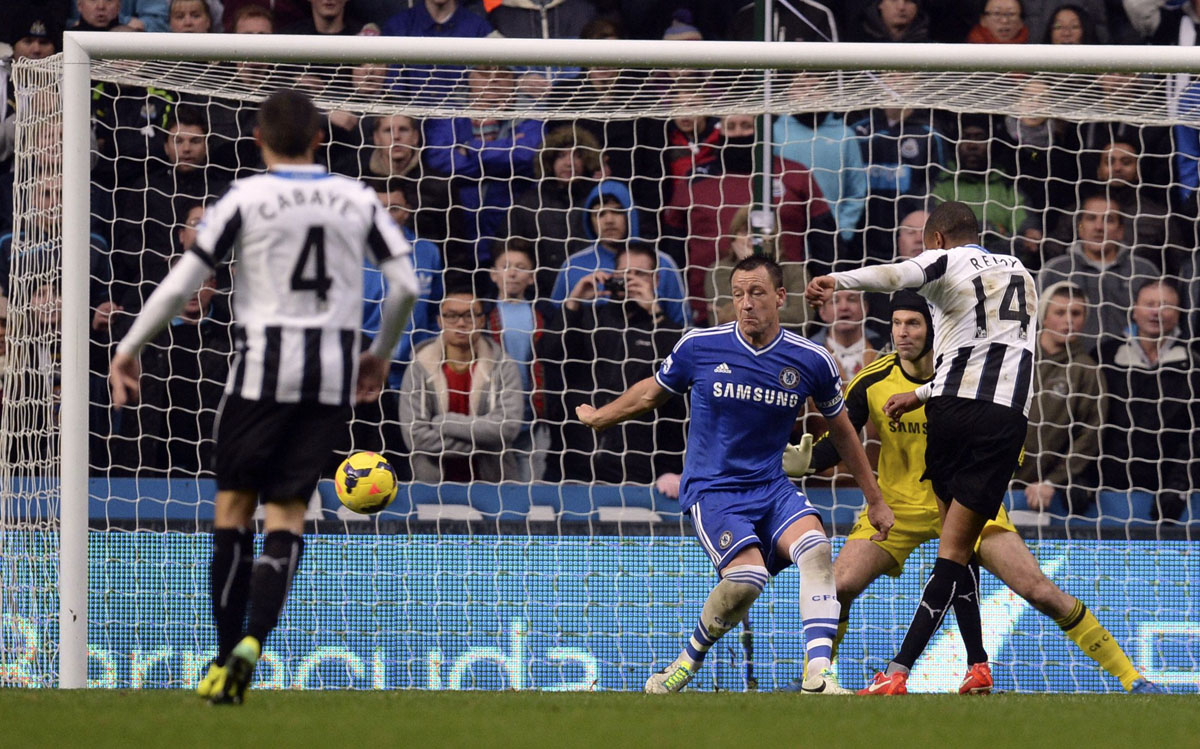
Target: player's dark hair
955 221
641 248
288 122
754 262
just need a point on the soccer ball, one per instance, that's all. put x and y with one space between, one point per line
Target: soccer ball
365 483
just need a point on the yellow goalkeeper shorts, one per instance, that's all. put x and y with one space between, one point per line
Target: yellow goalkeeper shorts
914 526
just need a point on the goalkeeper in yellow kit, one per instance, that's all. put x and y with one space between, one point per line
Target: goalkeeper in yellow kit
901 465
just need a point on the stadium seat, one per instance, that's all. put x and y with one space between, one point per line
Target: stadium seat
838 508
1121 509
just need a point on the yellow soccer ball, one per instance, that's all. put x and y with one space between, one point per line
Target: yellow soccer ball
365 483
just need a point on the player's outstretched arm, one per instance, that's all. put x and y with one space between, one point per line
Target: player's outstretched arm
845 439
643 396
820 290
906 274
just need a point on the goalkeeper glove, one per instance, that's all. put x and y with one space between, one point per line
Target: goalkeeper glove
796 458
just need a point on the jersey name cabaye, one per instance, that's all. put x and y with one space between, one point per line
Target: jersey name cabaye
297 235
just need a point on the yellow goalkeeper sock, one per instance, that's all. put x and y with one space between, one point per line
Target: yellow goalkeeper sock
843 625
1097 643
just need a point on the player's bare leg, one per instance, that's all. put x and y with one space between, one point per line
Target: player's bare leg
960 532
270 580
229 579
742 581
858 564
1006 556
805 543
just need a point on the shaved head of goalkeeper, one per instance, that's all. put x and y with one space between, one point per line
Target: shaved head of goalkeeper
289 125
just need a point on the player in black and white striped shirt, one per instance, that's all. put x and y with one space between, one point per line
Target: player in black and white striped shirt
298 235
984 311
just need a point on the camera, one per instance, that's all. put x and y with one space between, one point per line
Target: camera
616 288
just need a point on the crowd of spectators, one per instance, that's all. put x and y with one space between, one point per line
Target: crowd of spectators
561 259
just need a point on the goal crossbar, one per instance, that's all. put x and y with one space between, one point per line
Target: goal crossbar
640 53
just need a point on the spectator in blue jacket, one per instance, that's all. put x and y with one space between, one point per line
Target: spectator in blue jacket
427 261
826 145
612 223
1187 148
901 151
439 18
489 161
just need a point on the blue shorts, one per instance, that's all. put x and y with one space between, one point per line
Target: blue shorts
727 522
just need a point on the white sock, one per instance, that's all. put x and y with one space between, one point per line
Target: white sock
819 607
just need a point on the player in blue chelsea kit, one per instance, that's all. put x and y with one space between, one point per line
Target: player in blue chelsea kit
749 381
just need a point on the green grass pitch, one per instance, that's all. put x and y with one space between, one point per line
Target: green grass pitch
177 718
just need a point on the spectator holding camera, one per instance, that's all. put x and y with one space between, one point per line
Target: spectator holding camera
612 222
600 350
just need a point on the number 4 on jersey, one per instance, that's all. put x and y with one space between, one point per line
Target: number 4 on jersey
1012 306
318 281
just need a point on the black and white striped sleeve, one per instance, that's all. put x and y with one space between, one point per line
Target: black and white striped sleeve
219 230
384 238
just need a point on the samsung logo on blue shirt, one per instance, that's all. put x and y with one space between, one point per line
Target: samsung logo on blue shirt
755 394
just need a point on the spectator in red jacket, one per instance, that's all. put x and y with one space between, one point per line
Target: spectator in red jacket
806 228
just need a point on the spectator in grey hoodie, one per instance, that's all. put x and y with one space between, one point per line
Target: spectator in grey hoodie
1102 266
461 401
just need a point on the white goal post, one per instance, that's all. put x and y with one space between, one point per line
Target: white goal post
759 59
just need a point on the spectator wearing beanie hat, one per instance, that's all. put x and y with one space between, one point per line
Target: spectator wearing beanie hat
681 28
34 35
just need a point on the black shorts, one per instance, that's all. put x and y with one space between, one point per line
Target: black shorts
972 450
276 449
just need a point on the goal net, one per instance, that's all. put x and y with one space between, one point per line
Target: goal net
523 552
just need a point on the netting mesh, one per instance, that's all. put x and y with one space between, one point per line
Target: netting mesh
29 418
577 573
